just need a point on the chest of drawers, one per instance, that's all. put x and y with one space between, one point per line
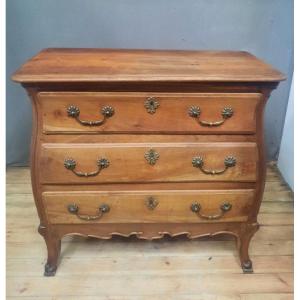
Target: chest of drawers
147 143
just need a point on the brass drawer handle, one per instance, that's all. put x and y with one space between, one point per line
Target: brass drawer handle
74 112
198 162
151 203
74 209
225 207
226 113
70 164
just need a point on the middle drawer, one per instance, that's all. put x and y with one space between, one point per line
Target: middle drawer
161 162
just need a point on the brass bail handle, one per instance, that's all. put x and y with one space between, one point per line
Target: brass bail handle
195 111
198 162
225 207
74 112
70 164
74 209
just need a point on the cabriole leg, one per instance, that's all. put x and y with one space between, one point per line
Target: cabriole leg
53 248
243 246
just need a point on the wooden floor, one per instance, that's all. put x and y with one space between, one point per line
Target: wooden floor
130 269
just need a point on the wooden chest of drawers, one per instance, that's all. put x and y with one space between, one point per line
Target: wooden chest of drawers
147 143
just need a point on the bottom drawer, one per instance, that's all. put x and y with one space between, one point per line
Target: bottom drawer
148 206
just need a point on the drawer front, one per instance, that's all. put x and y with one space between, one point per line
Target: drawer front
148 206
105 163
66 112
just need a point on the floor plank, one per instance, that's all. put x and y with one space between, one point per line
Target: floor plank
267 296
203 296
276 219
95 248
163 265
137 284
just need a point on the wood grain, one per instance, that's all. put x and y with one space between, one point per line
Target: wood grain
174 163
131 207
143 285
131 115
112 65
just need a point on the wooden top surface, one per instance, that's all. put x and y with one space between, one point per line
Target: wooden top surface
116 65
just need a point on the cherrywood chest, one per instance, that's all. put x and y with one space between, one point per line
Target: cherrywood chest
147 143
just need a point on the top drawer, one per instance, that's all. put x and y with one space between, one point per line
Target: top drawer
96 112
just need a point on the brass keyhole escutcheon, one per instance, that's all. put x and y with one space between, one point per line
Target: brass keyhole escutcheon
151 104
151 203
151 156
